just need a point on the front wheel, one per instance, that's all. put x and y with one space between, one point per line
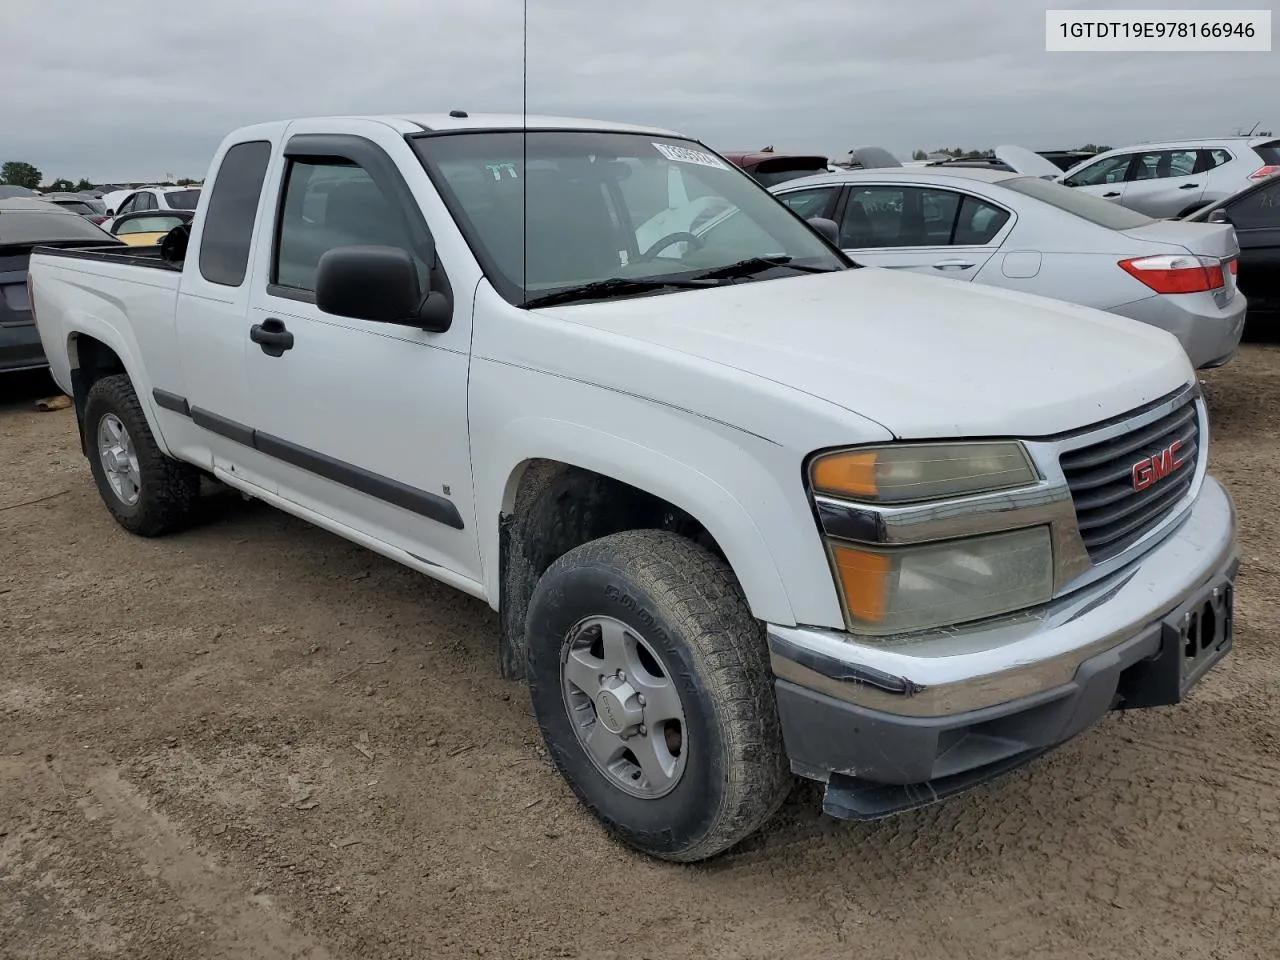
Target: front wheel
650 680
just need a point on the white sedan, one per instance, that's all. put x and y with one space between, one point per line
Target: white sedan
1030 234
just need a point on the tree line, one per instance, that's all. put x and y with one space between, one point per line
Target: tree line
19 173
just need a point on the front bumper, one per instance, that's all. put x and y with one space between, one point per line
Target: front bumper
894 725
1209 334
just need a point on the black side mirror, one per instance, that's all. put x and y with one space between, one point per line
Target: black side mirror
1218 216
828 228
379 284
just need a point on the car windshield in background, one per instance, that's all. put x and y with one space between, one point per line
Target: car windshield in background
1269 152
182 199
1094 209
76 206
616 209
26 227
154 224
773 172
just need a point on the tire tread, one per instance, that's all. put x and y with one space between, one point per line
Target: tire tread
170 488
705 601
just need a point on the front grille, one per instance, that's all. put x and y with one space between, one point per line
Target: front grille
1112 514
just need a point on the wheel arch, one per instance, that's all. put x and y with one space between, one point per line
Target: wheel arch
584 484
95 353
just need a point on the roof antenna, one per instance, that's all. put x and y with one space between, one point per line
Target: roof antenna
524 158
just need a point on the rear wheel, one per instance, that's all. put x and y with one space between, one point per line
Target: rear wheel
651 684
147 492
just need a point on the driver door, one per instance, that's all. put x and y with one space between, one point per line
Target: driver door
366 421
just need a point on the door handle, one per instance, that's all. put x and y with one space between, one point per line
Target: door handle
1188 186
952 265
272 336
1115 194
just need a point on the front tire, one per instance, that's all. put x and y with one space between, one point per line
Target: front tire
651 683
147 492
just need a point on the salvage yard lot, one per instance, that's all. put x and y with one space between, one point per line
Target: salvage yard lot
258 740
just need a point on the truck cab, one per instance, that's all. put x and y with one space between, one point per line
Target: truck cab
747 512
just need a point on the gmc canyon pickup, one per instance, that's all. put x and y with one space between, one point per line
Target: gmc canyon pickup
747 512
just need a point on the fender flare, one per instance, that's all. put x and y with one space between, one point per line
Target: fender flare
80 323
701 496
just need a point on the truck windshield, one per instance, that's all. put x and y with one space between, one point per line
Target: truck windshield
612 215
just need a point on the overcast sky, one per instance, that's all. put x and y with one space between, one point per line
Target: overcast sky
141 89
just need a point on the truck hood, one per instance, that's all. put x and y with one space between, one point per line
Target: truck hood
923 357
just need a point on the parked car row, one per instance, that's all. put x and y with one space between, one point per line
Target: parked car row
1175 179
1170 179
1025 233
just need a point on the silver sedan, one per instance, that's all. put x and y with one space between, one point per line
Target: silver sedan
1030 234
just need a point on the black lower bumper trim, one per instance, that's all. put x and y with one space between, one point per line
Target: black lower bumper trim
849 798
877 763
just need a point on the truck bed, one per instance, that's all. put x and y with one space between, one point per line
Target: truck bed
114 253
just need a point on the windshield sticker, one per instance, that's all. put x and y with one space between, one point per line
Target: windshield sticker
687 155
497 168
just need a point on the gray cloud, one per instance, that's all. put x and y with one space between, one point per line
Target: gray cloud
135 90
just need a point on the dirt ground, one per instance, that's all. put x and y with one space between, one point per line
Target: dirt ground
258 740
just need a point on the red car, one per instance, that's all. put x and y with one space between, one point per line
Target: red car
771 168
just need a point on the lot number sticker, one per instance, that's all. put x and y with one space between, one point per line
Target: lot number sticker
688 155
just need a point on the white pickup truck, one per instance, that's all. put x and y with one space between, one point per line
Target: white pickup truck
747 513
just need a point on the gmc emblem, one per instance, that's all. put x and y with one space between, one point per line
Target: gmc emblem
1157 467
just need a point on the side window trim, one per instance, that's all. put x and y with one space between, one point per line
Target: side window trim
1010 217
386 175
831 191
920 190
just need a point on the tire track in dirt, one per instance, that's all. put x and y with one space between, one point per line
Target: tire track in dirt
245 925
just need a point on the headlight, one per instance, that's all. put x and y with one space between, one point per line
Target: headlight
906 473
897 589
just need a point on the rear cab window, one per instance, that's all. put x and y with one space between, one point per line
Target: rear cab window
1094 209
232 210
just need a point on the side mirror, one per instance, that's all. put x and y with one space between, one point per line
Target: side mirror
828 228
378 284
1218 216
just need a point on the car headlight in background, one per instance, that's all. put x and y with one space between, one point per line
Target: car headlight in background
907 473
898 589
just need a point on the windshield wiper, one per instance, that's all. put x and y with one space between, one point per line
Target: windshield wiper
752 266
614 287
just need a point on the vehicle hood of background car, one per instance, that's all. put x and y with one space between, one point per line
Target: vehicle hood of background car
1026 162
922 358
